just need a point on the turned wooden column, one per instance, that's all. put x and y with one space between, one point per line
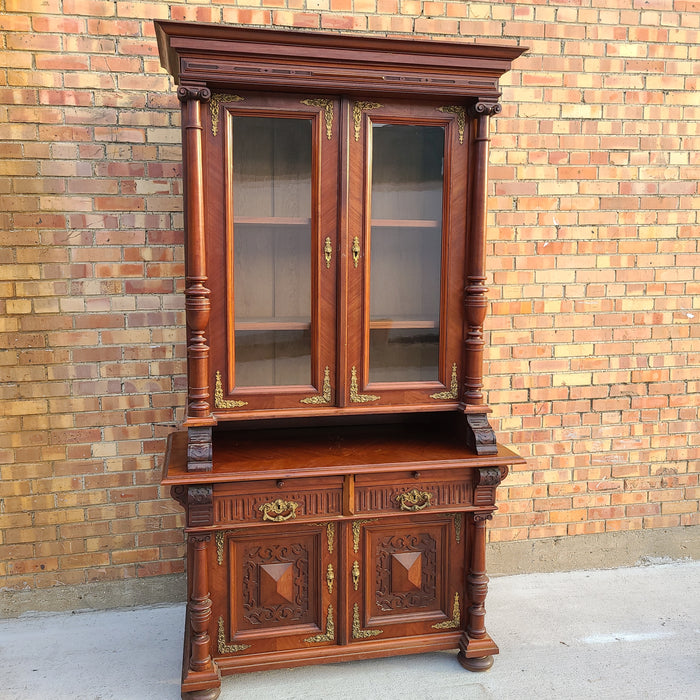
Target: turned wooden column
200 605
477 580
476 647
480 435
197 304
202 678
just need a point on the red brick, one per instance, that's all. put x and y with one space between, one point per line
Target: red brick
592 242
102 8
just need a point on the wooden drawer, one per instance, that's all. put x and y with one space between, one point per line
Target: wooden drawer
410 492
278 501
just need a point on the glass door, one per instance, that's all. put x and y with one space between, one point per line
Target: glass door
406 199
279 255
272 261
411 246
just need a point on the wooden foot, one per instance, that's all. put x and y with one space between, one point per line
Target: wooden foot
207 694
477 664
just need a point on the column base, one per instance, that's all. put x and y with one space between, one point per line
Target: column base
476 654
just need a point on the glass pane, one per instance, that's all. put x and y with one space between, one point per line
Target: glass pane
406 252
272 250
398 353
272 358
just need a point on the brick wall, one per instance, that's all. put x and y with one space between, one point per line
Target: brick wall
594 358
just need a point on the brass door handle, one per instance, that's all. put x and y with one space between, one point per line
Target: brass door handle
279 510
414 500
355 250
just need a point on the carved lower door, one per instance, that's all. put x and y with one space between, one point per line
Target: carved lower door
407 576
282 590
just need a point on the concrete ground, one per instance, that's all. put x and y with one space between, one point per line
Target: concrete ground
629 633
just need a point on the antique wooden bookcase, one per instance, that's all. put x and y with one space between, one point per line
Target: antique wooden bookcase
337 467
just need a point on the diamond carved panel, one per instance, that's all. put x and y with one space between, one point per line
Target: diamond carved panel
406 571
276 584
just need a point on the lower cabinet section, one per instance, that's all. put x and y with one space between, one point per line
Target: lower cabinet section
292 587
292 567
284 594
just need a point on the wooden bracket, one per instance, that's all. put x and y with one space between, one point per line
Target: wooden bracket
199 449
480 435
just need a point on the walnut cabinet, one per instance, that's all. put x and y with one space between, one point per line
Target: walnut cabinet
336 465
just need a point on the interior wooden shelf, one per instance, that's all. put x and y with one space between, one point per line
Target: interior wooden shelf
243 455
274 324
406 223
272 220
404 323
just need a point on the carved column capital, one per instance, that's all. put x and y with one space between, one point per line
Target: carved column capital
185 93
199 538
485 108
199 495
489 476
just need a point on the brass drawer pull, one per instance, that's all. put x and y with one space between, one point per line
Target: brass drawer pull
279 510
414 500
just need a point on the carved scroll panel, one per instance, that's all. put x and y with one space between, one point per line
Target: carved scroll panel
277 581
407 570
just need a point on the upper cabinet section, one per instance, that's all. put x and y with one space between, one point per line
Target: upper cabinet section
335 219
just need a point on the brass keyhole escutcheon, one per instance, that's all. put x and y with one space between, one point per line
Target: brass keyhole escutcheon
355 251
328 251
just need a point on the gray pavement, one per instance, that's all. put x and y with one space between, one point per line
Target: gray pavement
622 633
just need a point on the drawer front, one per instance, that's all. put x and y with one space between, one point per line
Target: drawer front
411 492
278 501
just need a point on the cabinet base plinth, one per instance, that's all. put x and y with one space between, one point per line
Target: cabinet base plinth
477 654
205 686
